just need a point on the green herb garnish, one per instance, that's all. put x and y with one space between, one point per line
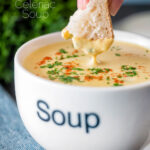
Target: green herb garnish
51 78
50 65
108 78
63 51
126 67
53 72
78 69
75 55
82 74
67 79
57 63
61 57
117 84
131 73
68 56
117 54
74 73
96 70
107 69
72 56
43 66
47 66
115 48
119 76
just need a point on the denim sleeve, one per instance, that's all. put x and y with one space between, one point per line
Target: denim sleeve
13 135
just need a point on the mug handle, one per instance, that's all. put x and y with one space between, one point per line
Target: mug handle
146 145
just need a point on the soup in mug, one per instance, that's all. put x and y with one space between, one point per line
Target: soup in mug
123 64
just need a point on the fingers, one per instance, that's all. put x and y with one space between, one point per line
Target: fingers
115 6
82 4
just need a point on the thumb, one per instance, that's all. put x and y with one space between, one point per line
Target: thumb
82 4
115 6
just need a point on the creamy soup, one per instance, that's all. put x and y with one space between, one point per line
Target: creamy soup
123 64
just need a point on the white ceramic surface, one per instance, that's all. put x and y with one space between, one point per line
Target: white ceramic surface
65 117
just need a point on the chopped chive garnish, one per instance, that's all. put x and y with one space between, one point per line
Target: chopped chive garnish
43 66
50 65
96 70
71 56
108 78
107 69
131 73
117 84
115 48
67 79
51 78
57 63
75 56
117 54
61 57
71 71
74 73
53 72
78 69
63 51
126 67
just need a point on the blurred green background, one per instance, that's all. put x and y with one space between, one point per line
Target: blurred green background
22 20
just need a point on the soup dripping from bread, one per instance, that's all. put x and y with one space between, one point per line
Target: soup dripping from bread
91 29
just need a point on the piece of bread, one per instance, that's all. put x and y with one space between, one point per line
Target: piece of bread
92 25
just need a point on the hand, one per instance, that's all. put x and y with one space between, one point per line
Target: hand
114 5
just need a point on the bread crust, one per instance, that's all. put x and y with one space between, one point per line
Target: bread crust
109 18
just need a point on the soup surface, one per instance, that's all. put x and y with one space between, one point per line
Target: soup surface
123 64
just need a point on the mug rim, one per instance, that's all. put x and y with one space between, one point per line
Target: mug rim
75 87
